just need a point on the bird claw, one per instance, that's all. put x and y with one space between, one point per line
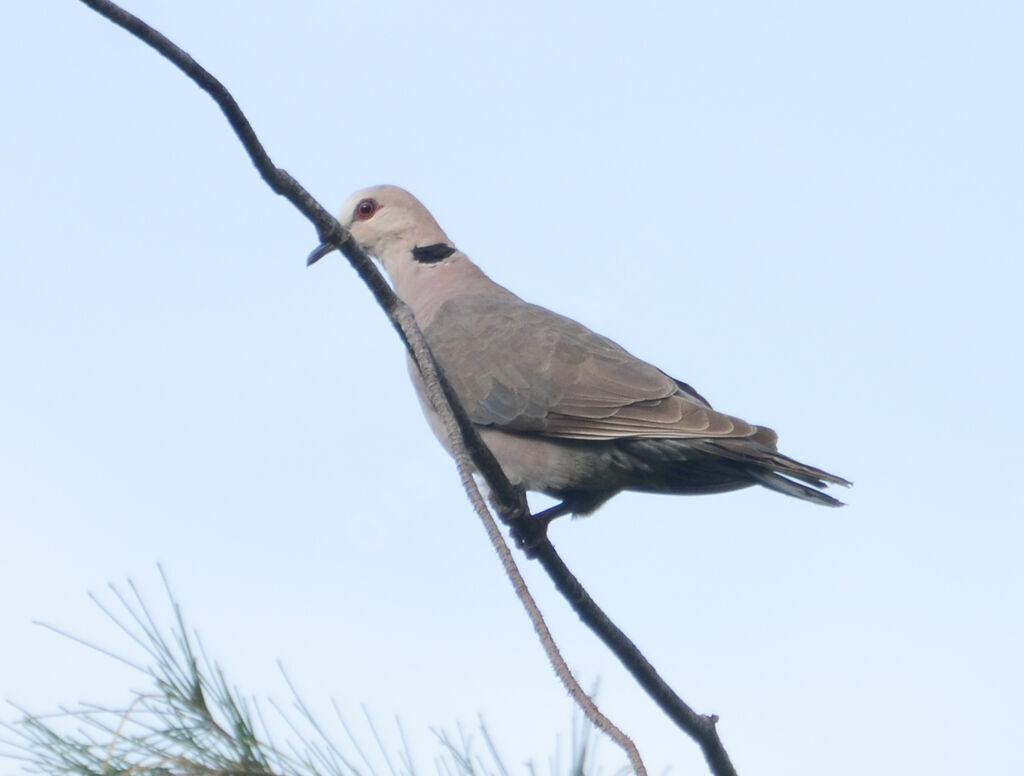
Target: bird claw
529 533
516 513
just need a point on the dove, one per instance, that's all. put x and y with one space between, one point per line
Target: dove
565 411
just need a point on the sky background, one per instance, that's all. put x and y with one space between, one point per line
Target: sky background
811 212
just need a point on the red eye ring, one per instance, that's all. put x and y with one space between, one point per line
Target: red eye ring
365 209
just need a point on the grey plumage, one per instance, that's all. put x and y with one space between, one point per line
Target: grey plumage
566 411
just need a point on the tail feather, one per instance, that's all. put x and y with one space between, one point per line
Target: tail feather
776 471
718 465
780 484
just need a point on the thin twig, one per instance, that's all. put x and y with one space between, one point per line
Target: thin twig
470 451
700 727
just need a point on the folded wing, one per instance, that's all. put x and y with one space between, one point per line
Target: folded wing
520 367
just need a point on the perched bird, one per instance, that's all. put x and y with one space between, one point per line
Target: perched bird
565 411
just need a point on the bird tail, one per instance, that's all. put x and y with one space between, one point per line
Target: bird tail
776 471
781 484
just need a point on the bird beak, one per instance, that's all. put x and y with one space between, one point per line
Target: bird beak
319 252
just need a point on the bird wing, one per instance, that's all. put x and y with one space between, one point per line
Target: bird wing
523 368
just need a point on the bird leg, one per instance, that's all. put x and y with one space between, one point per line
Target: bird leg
530 531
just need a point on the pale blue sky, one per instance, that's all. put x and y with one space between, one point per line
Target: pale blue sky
812 212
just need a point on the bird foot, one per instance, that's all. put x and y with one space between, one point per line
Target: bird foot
532 530
529 533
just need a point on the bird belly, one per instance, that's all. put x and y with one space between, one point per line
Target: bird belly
534 462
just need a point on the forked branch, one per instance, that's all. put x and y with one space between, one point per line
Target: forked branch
470 451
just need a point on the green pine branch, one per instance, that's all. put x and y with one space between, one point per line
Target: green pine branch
192 722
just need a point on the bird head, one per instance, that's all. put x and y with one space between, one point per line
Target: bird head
392 226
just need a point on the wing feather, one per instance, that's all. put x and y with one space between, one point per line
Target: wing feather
520 367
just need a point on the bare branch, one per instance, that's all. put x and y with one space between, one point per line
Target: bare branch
700 727
469 450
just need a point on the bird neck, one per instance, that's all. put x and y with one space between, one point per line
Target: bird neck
425 287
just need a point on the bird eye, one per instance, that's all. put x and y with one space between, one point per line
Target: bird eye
365 209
